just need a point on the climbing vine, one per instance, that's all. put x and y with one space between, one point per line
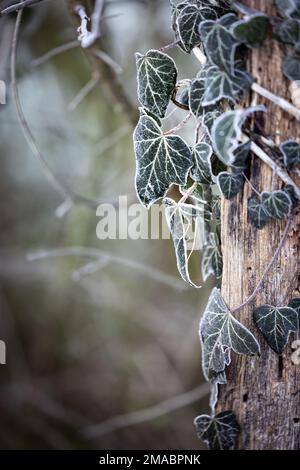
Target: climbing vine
215 165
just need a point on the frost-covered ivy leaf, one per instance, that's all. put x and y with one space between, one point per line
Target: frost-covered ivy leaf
289 32
291 153
276 323
290 191
212 261
188 22
230 185
240 158
288 8
253 31
228 20
219 330
220 84
220 45
218 432
277 204
160 160
295 304
179 218
201 171
257 213
216 208
291 68
184 97
210 114
226 132
196 93
156 76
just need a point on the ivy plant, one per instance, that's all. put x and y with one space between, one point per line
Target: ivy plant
215 165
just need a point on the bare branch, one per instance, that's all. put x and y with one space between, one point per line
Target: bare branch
19 6
148 271
148 414
65 192
54 52
85 90
86 37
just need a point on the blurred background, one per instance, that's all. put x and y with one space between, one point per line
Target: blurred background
102 345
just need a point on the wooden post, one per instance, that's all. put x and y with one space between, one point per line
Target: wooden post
263 392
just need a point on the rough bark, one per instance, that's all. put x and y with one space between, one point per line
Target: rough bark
263 392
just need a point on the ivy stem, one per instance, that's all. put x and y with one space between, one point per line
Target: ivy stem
280 102
279 171
169 46
251 185
180 125
268 268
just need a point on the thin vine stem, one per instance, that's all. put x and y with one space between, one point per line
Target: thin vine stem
180 125
280 102
268 268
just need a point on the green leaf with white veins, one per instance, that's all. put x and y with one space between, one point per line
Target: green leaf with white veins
291 153
289 32
218 432
219 44
220 84
201 171
156 77
230 185
291 68
212 261
257 213
196 92
188 22
179 217
276 324
295 304
253 31
288 8
277 204
160 160
226 132
240 158
220 331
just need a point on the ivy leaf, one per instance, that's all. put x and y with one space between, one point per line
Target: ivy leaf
228 20
220 84
226 132
201 171
277 204
288 8
188 22
295 304
291 68
220 45
196 93
160 160
210 114
156 76
220 331
179 219
241 155
291 153
290 191
257 213
253 31
276 323
212 262
230 185
218 432
289 32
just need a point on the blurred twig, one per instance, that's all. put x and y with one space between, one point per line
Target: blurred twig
81 95
148 271
19 6
67 193
148 414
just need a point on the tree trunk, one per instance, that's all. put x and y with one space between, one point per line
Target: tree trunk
263 392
